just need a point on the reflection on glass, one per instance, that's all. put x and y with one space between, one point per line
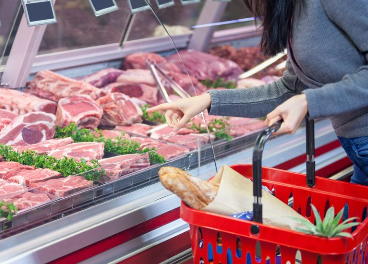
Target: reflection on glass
78 27
178 18
235 9
8 13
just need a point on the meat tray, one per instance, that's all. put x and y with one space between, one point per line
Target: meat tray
61 207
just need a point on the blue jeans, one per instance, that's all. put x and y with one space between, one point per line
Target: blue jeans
357 151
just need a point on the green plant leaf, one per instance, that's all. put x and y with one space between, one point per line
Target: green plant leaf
343 227
330 214
319 224
306 223
344 234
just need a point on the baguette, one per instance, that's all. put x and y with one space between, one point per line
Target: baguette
193 191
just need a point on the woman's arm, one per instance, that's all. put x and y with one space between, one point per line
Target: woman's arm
254 102
351 93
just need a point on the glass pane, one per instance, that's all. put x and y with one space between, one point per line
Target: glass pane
178 18
236 9
78 27
8 22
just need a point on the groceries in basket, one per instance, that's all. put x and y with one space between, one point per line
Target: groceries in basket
227 193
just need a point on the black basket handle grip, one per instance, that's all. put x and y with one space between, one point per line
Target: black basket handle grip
257 163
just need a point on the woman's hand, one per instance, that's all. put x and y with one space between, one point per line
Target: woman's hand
178 113
292 112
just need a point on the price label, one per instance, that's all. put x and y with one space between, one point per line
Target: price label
164 3
138 5
40 12
101 7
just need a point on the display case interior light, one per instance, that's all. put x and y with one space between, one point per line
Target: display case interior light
187 2
39 12
165 3
138 5
101 7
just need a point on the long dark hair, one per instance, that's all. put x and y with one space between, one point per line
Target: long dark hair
276 16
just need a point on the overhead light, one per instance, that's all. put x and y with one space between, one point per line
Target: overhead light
102 7
164 3
187 2
39 12
138 5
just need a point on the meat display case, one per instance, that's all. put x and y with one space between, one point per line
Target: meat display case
133 217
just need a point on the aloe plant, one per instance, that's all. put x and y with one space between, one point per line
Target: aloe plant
329 227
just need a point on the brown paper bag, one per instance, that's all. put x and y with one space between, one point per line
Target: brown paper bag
235 195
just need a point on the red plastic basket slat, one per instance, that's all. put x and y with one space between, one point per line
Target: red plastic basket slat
325 194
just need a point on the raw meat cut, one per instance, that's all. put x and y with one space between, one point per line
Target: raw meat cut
112 134
7 166
138 102
22 103
164 131
168 151
29 129
63 186
138 60
190 84
10 189
26 177
137 77
47 146
3 182
118 109
142 91
81 110
27 200
190 141
122 165
52 86
103 77
249 83
5 118
86 150
22 169
205 66
138 129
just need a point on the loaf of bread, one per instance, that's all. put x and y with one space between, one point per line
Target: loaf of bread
193 191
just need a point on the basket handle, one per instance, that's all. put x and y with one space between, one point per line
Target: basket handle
257 163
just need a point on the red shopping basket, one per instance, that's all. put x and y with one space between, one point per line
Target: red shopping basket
222 239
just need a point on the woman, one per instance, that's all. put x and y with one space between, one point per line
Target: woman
326 74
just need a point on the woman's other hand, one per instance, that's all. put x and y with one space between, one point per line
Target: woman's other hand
291 111
178 113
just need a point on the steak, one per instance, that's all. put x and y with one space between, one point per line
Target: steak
63 186
7 166
52 86
204 66
47 146
119 110
112 134
103 77
23 169
29 129
165 131
138 60
137 77
141 91
27 200
122 165
3 182
22 103
86 150
190 84
11 189
26 177
190 141
5 118
138 129
81 110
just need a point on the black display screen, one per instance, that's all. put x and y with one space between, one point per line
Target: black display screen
102 4
138 4
39 11
163 2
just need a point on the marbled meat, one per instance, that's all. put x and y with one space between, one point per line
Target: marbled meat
47 146
165 131
10 189
78 151
138 129
63 186
5 118
29 129
81 110
21 103
7 166
144 92
118 110
27 200
26 177
52 86
103 77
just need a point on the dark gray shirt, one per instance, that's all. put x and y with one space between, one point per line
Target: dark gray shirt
327 61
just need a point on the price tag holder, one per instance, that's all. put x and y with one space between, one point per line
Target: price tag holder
164 3
187 2
102 7
39 12
138 5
